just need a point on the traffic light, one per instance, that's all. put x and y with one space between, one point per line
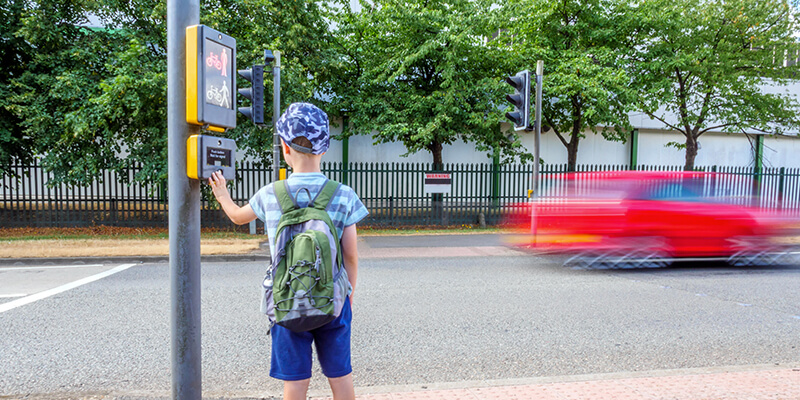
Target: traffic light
521 100
210 83
254 75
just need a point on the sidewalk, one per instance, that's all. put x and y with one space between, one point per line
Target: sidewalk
728 383
369 247
427 246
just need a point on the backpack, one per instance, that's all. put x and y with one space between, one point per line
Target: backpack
306 284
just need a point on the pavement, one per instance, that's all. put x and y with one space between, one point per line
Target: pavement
728 383
750 382
369 247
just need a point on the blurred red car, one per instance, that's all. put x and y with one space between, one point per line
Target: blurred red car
649 219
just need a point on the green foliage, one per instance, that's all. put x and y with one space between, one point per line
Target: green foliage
679 146
708 63
584 46
91 95
89 99
297 29
418 72
16 55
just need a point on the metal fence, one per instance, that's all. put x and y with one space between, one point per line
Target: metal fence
393 192
767 188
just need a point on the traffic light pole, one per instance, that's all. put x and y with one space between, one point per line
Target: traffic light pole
276 113
537 127
184 212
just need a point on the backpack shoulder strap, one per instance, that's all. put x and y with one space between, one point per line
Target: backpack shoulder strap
325 195
285 199
322 202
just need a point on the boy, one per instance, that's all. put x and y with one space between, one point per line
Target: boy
303 129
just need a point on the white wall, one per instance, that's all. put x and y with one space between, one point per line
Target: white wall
782 152
362 149
715 149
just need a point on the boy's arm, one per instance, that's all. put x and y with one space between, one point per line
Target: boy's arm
239 215
350 255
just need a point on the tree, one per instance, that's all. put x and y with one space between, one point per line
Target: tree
584 45
16 55
707 63
418 72
89 96
95 98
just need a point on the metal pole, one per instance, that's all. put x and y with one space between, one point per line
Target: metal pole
276 113
184 212
345 149
537 127
634 149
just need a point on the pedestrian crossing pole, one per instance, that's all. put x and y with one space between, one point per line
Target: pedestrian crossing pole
184 212
537 127
276 113
537 130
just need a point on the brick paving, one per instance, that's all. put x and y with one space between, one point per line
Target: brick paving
776 384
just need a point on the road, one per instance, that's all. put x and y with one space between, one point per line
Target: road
418 321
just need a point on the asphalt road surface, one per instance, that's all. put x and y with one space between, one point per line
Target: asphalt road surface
417 321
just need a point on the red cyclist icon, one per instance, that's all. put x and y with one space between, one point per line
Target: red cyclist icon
219 62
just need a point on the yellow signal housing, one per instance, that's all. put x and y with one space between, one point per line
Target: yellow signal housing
208 154
192 163
191 75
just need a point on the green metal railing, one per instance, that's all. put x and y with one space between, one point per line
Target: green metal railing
393 192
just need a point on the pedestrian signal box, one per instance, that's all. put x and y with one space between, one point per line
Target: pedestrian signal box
210 78
208 154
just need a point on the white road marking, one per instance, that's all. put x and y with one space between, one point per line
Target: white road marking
63 288
50 267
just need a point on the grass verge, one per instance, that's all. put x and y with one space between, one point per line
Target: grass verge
121 233
109 233
103 241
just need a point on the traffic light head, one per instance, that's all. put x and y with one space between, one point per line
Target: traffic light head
520 100
268 57
210 78
254 75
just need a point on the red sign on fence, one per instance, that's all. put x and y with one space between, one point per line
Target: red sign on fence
437 182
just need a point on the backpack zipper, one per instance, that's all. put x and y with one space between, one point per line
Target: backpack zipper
324 278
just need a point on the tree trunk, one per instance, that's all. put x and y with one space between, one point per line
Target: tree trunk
437 199
572 154
691 152
436 150
575 136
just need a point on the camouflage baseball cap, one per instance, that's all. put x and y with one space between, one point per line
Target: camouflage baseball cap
307 120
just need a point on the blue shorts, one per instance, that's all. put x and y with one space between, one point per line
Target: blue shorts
291 351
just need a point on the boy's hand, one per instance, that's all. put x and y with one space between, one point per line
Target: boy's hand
239 215
218 186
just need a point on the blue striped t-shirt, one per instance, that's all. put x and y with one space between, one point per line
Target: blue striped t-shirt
345 208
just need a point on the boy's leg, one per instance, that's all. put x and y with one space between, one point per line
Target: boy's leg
342 387
333 351
295 390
